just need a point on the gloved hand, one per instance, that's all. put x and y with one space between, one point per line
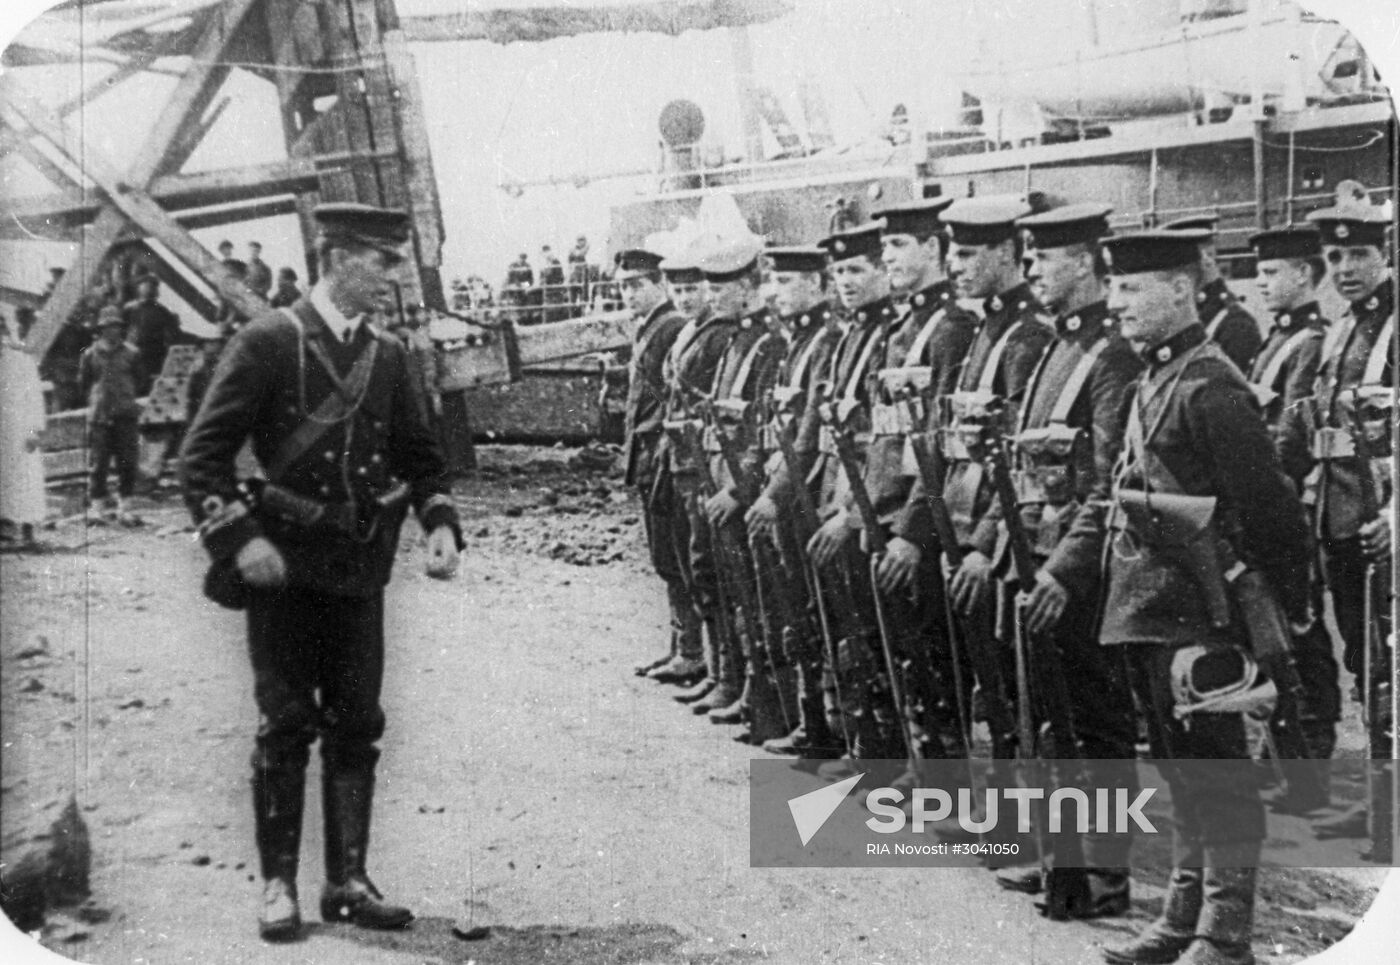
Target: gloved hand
261 564
442 553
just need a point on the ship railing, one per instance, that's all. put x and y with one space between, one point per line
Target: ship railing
683 169
536 304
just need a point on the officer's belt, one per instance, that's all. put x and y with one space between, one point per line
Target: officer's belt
356 520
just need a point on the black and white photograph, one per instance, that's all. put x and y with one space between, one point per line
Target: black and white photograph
699 482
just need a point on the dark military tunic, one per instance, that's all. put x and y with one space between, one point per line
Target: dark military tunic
646 391
1018 319
1233 328
1286 367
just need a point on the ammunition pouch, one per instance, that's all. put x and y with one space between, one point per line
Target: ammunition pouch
1332 443
1182 527
890 420
1047 460
965 418
686 438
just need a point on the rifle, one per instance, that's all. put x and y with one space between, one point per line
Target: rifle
806 519
875 540
981 649
1375 663
775 617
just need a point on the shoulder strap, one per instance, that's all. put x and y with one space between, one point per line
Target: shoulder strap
1380 353
988 375
916 349
1215 322
1270 375
853 379
1069 393
798 376
335 408
736 388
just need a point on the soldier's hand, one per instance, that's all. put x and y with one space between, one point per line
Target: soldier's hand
971 582
442 553
897 568
1375 537
261 565
827 542
721 508
762 519
1045 604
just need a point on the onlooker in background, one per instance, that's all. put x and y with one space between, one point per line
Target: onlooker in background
556 292
259 275
287 291
22 502
230 318
520 274
55 276
109 372
60 366
226 251
152 328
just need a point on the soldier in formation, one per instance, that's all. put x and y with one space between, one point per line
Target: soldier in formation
930 505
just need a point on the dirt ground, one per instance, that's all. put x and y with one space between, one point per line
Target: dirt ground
529 781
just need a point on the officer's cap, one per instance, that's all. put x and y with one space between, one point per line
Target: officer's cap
637 261
1070 224
1197 222
352 223
729 261
918 218
1297 242
987 220
800 258
859 242
1160 250
1351 224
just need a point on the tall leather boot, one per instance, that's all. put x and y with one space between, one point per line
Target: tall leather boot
772 711
278 802
349 895
1226 925
1167 938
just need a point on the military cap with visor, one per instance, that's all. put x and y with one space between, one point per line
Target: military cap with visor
859 242
1348 225
797 258
1071 224
352 223
921 219
988 220
1299 241
730 261
636 261
1158 250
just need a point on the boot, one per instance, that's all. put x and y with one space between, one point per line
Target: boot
728 672
1351 823
679 670
699 692
737 711
1226 924
680 608
1167 938
278 799
770 706
349 895
789 744
1082 893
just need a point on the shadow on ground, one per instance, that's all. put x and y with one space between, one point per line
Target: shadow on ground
620 944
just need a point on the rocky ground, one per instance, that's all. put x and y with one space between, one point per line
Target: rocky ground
530 783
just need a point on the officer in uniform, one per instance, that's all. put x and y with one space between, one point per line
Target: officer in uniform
984 262
327 403
1225 319
1196 449
1353 499
1068 439
638 276
808 328
1290 267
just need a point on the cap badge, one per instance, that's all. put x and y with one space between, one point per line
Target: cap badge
839 245
1072 323
1341 232
1164 354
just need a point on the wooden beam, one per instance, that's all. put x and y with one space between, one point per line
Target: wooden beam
474 366
154 152
174 191
534 24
